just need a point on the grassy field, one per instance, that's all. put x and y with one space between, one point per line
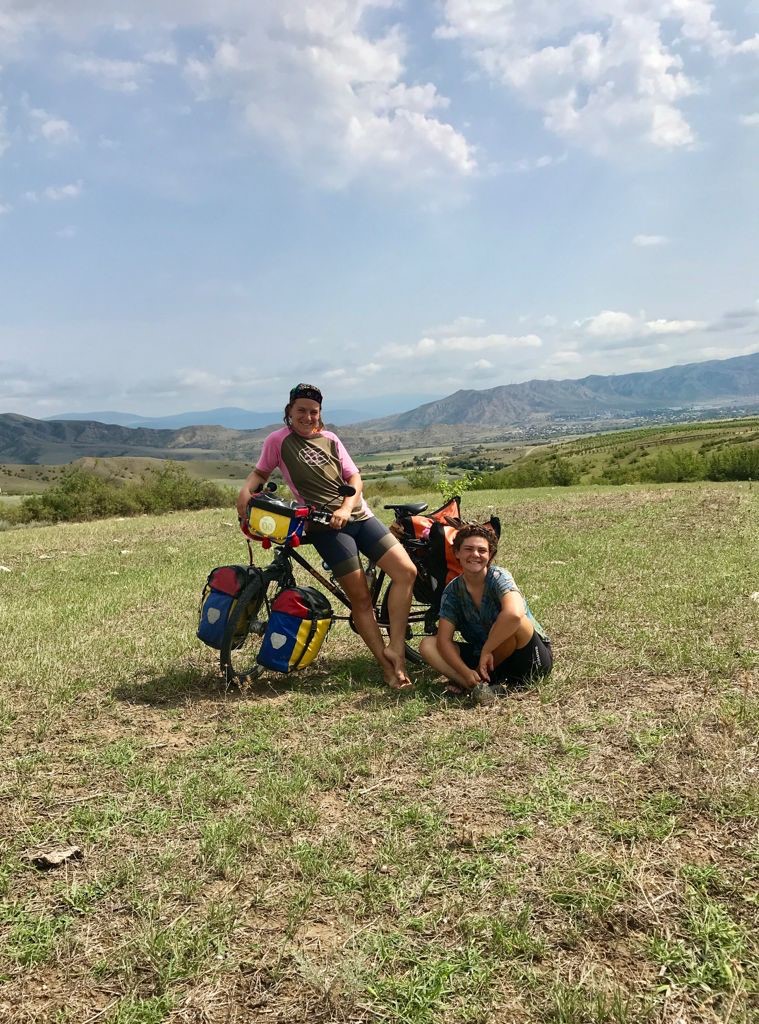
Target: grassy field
317 849
599 457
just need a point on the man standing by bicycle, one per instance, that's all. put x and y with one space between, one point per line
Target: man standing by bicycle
314 464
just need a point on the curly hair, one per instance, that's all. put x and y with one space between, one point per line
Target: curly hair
475 530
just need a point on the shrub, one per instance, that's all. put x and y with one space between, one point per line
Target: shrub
171 488
674 466
562 473
379 488
83 495
738 462
420 479
527 474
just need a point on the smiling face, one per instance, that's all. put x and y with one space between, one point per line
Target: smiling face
305 417
474 555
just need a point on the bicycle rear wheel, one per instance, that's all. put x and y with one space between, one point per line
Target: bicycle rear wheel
242 637
421 623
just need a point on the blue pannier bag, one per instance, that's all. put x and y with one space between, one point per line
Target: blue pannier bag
217 602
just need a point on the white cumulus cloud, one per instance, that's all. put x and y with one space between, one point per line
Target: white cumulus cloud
57 193
648 241
614 325
673 326
55 130
323 85
602 73
610 324
110 73
428 347
316 86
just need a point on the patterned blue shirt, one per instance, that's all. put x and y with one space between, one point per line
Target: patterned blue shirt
475 623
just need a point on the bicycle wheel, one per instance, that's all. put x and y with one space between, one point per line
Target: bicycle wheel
242 637
421 623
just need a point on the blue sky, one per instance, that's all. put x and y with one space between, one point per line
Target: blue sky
204 202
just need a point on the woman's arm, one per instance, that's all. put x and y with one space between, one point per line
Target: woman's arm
255 480
506 624
342 515
450 654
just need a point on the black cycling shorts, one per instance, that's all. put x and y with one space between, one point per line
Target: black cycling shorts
340 548
533 660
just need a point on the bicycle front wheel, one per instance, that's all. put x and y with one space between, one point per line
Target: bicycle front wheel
243 635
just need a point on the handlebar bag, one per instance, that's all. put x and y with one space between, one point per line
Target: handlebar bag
299 621
217 602
275 520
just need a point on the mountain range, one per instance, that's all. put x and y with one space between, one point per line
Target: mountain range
718 382
536 406
235 418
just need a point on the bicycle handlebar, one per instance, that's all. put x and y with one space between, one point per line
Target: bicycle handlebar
317 515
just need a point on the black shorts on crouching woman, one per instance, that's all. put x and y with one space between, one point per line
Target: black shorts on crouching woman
527 663
340 548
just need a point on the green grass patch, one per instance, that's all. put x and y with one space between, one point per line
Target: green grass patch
317 848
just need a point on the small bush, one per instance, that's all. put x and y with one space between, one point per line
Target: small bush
83 495
738 462
421 479
380 488
674 466
531 473
562 473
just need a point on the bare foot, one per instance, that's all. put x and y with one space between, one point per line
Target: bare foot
396 677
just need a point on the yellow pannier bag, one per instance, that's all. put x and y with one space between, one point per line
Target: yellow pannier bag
276 521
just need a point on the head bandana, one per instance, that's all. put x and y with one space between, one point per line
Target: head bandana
306 391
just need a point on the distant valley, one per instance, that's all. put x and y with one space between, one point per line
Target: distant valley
531 410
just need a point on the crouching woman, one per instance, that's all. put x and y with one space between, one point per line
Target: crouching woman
502 644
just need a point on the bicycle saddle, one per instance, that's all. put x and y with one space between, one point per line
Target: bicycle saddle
414 509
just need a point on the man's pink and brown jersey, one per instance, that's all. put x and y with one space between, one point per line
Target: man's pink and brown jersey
313 467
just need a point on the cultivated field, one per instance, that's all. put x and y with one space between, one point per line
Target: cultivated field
318 849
